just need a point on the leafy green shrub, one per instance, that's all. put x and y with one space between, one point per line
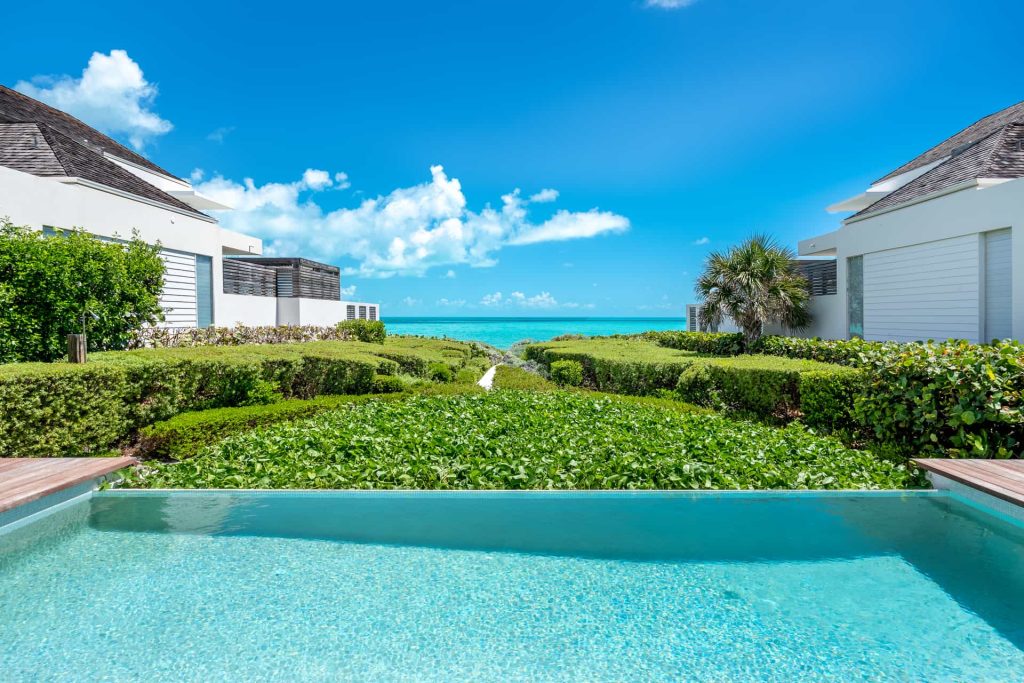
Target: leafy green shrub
617 365
827 399
508 377
952 398
697 385
525 440
567 373
710 343
189 337
48 282
388 384
440 372
838 351
185 435
369 331
67 410
467 376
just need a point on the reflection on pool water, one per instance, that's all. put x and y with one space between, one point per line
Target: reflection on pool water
497 586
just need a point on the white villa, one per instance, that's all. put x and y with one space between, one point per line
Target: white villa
57 172
935 248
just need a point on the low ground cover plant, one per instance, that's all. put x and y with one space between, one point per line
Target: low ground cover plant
58 409
525 440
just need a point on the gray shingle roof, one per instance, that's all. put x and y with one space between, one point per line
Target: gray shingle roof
40 150
18 108
972 134
991 148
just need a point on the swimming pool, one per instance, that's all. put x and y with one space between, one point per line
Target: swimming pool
199 585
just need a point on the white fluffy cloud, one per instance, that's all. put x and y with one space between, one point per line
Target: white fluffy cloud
545 195
701 241
451 303
521 300
406 232
111 95
668 4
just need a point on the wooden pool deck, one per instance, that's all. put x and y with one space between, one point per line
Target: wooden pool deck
23 480
1003 479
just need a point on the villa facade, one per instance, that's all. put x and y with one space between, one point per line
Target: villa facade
935 249
59 173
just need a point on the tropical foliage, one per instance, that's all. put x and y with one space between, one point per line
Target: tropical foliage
525 440
754 283
52 286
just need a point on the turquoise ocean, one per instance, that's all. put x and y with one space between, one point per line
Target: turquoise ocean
503 332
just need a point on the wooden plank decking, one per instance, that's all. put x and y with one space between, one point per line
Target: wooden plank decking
1003 479
23 480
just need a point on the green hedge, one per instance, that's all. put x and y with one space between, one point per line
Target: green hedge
185 435
954 398
567 373
766 387
508 377
69 410
709 343
369 331
617 365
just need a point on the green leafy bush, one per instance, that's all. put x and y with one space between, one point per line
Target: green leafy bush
827 399
617 365
161 337
369 331
440 372
509 377
185 435
952 398
567 373
525 440
763 386
388 384
67 410
697 385
467 376
709 343
839 351
48 282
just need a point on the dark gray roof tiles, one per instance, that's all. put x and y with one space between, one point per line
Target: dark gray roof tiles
991 148
18 108
40 150
973 133
23 148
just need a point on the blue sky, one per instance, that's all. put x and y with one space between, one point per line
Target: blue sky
639 136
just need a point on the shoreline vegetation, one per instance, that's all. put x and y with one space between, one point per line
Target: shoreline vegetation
654 410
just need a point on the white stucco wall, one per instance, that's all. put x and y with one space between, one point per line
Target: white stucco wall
828 317
963 213
36 202
298 311
247 310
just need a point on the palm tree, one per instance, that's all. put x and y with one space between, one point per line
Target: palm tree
754 283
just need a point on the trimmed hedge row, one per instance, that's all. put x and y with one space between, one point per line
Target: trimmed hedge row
66 410
772 388
616 365
949 398
709 343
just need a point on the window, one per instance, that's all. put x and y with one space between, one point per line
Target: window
362 312
855 296
350 312
373 312
204 291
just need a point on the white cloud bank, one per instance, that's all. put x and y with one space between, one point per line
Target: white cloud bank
520 300
405 232
112 95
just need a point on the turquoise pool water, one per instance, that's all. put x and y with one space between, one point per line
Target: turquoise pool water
503 332
289 586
